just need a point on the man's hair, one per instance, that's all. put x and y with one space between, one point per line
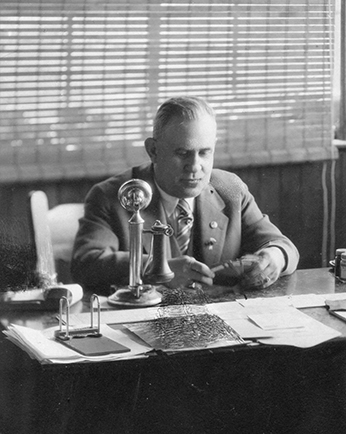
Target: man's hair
186 108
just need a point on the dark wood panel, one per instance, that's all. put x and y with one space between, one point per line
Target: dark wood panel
340 176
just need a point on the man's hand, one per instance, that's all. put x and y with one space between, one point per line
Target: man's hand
265 270
187 270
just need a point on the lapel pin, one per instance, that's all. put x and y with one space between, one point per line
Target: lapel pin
213 225
210 243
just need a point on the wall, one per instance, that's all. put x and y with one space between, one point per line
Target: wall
292 195
341 199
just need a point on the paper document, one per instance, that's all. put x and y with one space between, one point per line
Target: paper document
286 319
300 301
295 328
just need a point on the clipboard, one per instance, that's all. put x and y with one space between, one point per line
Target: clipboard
95 346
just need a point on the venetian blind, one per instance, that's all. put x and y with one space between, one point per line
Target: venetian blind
81 80
341 133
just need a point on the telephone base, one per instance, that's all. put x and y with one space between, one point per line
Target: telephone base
148 296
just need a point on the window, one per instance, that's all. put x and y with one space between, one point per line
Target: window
339 88
81 80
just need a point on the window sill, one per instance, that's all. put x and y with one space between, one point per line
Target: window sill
340 144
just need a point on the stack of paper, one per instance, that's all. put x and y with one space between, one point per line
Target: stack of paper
41 345
273 321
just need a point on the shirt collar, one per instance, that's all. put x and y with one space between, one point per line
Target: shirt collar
170 202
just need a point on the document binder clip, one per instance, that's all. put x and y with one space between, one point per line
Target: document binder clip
68 333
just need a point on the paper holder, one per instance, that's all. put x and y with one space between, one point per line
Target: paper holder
68 333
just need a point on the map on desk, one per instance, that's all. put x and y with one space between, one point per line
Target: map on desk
184 332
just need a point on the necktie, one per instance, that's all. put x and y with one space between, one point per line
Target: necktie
184 220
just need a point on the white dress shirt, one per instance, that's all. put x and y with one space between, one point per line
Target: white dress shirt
169 204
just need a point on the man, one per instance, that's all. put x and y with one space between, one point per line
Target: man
222 220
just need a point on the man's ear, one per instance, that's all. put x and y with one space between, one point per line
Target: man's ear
150 146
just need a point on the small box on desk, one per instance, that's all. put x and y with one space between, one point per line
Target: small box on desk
40 299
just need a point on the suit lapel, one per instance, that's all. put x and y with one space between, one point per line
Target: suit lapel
211 227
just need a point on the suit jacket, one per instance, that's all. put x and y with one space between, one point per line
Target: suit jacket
228 224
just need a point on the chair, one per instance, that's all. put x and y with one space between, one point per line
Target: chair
54 231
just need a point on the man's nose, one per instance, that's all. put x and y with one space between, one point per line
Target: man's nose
194 163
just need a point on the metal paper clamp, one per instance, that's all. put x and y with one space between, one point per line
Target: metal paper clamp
68 333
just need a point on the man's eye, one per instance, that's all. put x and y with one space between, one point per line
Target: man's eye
182 154
205 153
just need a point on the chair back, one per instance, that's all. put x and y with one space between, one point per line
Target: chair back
63 225
54 231
45 264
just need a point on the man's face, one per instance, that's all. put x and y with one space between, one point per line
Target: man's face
183 156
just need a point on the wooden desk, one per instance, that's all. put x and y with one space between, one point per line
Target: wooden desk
259 389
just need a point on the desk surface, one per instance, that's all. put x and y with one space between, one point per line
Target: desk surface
316 281
263 389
